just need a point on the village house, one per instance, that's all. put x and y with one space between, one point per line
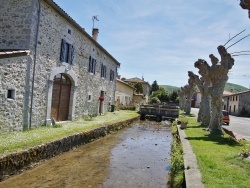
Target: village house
237 104
145 85
124 93
50 67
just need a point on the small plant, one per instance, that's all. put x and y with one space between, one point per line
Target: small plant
57 125
88 118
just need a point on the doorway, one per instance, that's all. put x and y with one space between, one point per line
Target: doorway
60 97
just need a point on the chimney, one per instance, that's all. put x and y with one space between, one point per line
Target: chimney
95 33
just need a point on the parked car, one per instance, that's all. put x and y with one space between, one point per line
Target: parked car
225 118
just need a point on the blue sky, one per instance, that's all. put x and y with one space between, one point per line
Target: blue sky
161 39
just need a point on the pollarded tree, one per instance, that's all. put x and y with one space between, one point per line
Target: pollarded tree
204 111
218 74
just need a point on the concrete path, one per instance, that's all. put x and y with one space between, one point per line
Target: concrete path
192 173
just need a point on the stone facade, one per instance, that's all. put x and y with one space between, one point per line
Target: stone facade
238 104
43 28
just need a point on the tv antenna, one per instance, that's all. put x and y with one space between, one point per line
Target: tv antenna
94 18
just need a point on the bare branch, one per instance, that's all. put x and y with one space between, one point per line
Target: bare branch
240 54
238 41
234 37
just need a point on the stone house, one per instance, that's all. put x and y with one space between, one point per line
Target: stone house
238 104
50 67
124 93
196 99
145 85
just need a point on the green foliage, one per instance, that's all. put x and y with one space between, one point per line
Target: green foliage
154 86
154 100
234 88
169 88
177 163
137 85
160 94
173 96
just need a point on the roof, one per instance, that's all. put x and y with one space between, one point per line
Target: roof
60 11
13 53
233 94
124 83
226 93
136 80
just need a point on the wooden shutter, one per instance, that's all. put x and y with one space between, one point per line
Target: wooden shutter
102 75
63 51
89 63
72 54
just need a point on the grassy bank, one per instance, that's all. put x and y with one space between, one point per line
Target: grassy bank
219 158
16 141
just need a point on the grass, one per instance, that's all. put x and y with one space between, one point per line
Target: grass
15 141
218 157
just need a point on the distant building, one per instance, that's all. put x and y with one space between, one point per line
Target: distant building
124 93
145 85
238 104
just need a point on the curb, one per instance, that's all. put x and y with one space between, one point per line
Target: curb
192 172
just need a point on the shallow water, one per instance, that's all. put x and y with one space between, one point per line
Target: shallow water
142 158
133 157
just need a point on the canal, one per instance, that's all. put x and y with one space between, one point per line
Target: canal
138 156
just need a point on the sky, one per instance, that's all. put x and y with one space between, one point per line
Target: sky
162 39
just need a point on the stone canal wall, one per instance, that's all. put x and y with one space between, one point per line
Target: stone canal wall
16 162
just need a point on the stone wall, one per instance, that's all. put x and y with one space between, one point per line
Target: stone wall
15 162
244 102
13 109
16 20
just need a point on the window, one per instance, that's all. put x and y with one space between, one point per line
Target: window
69 31
103 71
10 94
67 52
236 98
89 98
112 75
92 65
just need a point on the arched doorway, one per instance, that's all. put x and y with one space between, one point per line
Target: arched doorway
60 97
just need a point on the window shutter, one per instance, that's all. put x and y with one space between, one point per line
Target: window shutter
105 71
94 66
63 51
89 63
72 54
102 71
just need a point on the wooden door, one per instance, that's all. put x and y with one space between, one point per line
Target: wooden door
60 97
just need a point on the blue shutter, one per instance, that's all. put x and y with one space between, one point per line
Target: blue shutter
105 71
63 51
89 63
72 54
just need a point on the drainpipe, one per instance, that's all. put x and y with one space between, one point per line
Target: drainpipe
34 66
